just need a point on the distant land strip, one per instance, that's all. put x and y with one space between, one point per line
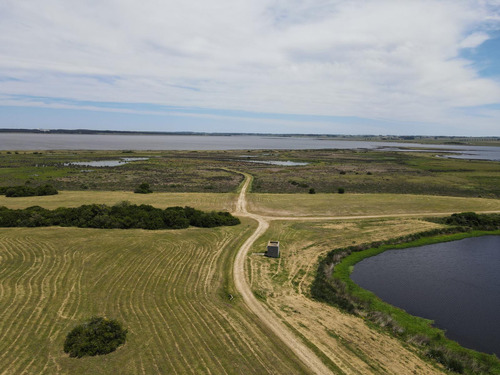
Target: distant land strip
366 137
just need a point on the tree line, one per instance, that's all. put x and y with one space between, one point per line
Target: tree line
121 216
27 191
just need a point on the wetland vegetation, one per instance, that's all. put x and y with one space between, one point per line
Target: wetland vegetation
356 171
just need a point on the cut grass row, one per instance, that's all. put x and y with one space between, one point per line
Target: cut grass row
167 287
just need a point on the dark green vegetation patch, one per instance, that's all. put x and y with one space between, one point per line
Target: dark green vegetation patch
28 191
143 188
96 336
121 216
472 220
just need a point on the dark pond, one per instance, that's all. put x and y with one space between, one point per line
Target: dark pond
456 284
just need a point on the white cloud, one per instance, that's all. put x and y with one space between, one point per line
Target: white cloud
385 59
474 40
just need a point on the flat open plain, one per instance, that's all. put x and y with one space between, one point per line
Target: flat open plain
172 289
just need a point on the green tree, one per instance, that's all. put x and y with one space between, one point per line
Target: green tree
95 336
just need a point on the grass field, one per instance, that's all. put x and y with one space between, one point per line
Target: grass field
270 204
169 288
363 204
202 201
283 284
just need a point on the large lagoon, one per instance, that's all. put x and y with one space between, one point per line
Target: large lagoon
456 284
30 141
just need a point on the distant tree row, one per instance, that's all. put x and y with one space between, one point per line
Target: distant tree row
472 220
123 216
27 191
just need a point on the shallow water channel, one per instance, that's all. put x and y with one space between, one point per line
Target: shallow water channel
104 163
456 284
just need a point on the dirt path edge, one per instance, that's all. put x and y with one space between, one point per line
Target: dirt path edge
305 354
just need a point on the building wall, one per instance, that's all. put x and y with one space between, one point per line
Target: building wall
273 251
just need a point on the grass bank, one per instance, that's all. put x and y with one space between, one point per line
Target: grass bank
334 285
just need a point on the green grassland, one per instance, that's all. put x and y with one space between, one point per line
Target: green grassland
170 289
358 171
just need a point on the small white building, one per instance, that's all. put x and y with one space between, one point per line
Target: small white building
273 249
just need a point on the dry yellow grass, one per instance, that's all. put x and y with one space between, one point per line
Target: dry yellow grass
202 201
363 204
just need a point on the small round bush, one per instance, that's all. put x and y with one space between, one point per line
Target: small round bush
341 190
95 336
143 188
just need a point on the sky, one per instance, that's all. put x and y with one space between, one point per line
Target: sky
403 67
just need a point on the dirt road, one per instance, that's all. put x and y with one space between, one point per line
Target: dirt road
288 338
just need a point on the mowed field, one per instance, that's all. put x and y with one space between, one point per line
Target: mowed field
170 289
364 204
201 201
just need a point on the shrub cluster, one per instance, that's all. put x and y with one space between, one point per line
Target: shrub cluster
299 184
472 220
27 191
143 188
123 215
96 336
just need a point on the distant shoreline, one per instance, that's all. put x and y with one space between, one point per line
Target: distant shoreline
424 139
